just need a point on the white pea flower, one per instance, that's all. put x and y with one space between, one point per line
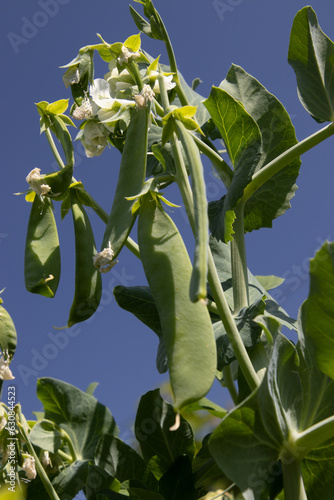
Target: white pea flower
103 261
3 418
45 459
126 55
84 111
112 109
145 95
5 371
34 179
94 138
29 467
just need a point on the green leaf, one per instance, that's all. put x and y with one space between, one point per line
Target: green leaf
222 258
57 107
317 312
71 479
8 336
159 445
242 138
311 55
139 301
141 23
122 462
249 330
318 472
83 418
277 135
270 282
133 42
45 435
98 482
178 481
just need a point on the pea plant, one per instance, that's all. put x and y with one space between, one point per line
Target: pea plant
214 319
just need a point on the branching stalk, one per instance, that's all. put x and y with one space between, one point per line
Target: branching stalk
284 159
314 436
54 148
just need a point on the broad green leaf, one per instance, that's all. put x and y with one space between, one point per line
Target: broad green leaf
98 482
242 139
178 481
270 282
277 135
122 462
311 55
45 435
139 301
159 445
71 479
206 471
79 414
318 310
8 336
318 472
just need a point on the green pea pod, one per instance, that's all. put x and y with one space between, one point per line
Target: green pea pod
7 332
130 181
42 253
200 265
88 282
186 326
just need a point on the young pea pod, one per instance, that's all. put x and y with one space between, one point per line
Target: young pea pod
42 253
200 264
186 326
130 181
88 282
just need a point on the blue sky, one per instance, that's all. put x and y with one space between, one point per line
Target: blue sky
114 348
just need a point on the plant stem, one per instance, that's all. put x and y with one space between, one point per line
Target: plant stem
229 383
230 326
293 481
222 168
136 74
284 159
314 436
39 468
239 262
54 148
171 58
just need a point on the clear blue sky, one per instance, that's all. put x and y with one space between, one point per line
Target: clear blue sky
115 349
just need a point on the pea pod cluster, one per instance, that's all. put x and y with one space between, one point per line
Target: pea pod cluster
88 282
130 181
42 253
186 325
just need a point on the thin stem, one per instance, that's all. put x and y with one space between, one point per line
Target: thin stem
222 168
239 262
54 148
172 61
294 488
39 468
230 326
229 383
136 74
285 158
